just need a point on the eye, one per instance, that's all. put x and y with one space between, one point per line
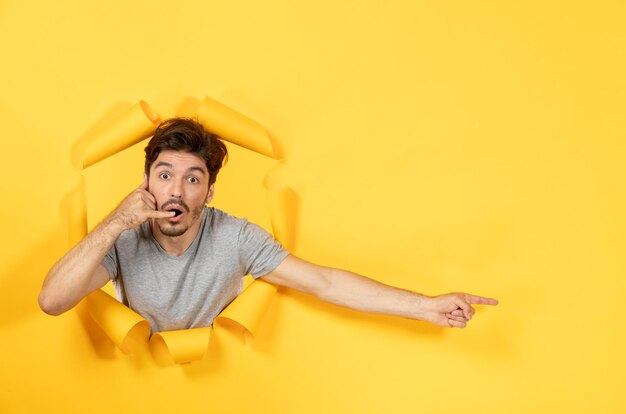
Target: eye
193 180
164 176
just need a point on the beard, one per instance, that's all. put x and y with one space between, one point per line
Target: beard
177 229
173 231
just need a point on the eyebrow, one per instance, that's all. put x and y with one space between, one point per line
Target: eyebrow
190 169
201 170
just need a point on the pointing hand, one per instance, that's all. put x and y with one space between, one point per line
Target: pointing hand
453 310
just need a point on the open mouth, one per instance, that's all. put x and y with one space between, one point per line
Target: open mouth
178 207
176 211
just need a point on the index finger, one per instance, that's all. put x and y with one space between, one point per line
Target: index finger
161 214
479 300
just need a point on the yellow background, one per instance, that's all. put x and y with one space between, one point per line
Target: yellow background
437 146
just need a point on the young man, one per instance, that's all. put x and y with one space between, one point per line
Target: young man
178 263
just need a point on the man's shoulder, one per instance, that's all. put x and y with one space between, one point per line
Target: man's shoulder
222 224
219 217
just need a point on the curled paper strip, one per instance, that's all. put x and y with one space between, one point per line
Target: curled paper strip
133 126
180 347
247 310
121 324
234 127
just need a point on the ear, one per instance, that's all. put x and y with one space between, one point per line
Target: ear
209 195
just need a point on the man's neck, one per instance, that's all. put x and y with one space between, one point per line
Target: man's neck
176 246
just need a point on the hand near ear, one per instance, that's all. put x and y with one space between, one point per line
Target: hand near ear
138 207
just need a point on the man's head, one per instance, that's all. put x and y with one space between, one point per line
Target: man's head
182 162
187 135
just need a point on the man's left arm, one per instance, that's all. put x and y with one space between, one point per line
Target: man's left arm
357 292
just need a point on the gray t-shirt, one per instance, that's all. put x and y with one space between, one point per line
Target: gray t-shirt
189 291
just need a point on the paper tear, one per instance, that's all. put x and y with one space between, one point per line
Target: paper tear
136 124
234 127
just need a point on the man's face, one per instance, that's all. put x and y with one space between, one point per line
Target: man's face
179 181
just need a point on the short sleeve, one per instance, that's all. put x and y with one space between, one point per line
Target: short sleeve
259 252
109 261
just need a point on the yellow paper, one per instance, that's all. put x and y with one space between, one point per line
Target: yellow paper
235 127
248 309
133 126
181 346
120 323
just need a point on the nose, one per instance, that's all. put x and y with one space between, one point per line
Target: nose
176 189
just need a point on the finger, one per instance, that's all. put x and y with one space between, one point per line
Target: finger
456 318
456 324
160 214
468 312
148 199
479 300
457 312
464 306
472 312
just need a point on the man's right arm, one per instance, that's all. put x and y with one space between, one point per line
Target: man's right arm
80 271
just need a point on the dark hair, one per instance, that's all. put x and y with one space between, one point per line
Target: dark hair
187 135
